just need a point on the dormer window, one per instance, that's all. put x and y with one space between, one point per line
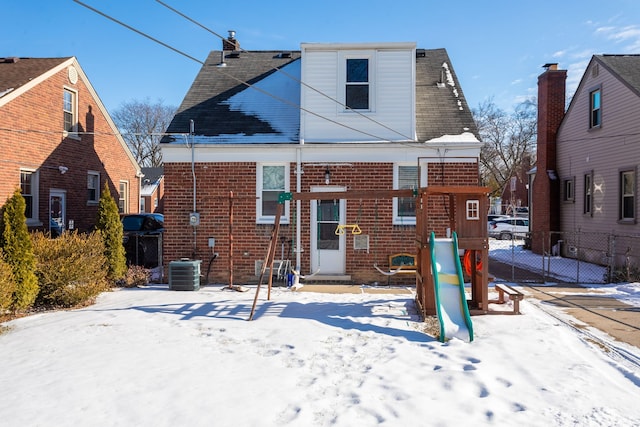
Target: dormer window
357 84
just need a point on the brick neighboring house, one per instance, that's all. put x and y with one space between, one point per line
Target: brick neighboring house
591 157
152 190
288 129
59 145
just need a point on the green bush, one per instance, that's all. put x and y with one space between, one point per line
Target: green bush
110 225
17 251
7 285
71 269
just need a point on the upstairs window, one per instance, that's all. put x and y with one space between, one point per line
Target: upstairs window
627 195
272 179
595 108
69 108
357 84
93 187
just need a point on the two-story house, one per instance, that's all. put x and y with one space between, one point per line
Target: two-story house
586 180
331 117
59 145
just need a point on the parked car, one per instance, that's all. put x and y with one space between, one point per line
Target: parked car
509 228
142 238
493 218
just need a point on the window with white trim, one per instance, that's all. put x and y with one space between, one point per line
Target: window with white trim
271 180
123 197
357 84
70 110
404 208
93 187
29 190
627 195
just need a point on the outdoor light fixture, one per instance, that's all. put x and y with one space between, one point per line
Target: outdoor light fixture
327 175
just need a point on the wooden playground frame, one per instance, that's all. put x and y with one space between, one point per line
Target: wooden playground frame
472 236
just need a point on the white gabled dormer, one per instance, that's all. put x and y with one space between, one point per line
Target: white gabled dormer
358 92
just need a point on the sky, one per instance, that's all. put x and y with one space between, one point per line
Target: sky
497 47
155 357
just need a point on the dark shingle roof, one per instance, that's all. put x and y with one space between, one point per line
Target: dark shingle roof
16 72
152 174
205 100
626 67
441 109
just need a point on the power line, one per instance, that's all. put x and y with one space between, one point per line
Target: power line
285 101
138 32
292 77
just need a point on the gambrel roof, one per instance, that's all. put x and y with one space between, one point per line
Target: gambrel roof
225 110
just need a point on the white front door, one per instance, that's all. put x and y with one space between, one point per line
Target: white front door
327 248
57 212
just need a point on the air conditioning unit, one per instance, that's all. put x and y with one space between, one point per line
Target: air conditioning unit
184 275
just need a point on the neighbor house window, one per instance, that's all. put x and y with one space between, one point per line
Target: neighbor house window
93 187
568 185
29 190
627 195
588 194
272 179
595 108
404 209
69 108
123 197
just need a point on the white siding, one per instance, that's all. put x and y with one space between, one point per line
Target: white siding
604 151
392 96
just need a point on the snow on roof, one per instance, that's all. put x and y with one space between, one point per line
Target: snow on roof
281 112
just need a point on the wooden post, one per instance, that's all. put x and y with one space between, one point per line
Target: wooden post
269 258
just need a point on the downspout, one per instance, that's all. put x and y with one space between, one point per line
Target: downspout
193 174
298 189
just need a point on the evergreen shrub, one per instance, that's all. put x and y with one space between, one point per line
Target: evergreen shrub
7 285
110 225
17 251
71 269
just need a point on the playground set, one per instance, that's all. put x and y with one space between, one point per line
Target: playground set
450 226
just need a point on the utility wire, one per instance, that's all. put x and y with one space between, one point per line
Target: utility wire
297 80
233 77
137 31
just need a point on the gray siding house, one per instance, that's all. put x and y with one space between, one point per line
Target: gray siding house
596 165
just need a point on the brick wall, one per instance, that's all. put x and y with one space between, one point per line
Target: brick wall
545 215
32 137
251 240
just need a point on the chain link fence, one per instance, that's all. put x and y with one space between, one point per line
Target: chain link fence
567 257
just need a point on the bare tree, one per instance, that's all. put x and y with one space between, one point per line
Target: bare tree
142 125
509 141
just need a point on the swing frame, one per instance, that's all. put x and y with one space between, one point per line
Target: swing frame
472 235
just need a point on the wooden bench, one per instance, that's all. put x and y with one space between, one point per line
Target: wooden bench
514 295
401 263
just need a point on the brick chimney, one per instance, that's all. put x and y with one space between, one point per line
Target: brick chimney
545 212
230 43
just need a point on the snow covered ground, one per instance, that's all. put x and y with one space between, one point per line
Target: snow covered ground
155 357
